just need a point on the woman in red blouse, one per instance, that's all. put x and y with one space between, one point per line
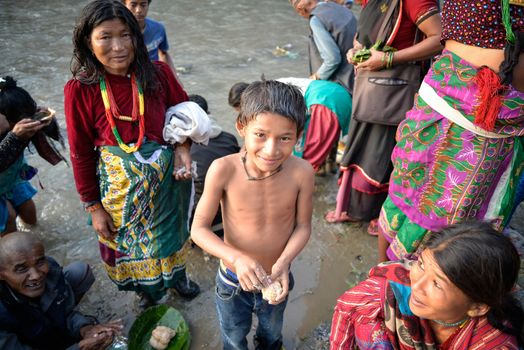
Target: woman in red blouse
366 163
115 106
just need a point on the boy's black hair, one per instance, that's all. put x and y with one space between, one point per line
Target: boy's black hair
199 100
235 92
15 102
273 97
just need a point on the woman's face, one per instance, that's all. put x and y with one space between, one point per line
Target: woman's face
112 44
433 296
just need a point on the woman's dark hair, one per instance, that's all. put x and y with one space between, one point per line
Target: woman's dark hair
15 102
484 265
86 67
235 92
512 53
272 96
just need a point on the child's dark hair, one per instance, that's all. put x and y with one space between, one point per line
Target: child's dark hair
15 102
199 100
274 97
235 92
484 265
125 2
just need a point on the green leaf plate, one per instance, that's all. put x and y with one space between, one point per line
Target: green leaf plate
160 315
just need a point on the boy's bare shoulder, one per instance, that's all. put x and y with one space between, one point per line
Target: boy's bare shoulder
300 166
226 164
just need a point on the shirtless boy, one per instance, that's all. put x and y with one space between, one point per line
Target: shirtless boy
266 199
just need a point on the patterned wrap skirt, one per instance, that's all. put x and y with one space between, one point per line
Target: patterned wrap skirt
150 210
444 173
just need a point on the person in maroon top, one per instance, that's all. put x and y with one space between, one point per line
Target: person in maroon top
115 108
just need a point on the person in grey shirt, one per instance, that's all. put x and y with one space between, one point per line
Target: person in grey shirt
332 30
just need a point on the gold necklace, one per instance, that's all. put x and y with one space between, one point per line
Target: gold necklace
253 178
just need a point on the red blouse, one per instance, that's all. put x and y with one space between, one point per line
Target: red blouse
413 12
87 126
479 23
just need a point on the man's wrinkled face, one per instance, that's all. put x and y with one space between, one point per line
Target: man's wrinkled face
25 271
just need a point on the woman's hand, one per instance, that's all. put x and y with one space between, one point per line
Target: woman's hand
26 128
350 54
376 61
103 223
182 160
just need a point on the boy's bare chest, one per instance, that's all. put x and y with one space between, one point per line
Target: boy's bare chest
265 195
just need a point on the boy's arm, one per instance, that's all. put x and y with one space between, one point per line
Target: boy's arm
301 233
249 272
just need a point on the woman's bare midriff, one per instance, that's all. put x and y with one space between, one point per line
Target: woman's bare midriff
477 56
491 58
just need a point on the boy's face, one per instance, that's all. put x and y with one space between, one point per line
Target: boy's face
25 271
139 9
269 140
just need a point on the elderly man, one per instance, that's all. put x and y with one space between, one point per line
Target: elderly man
37 300
333 28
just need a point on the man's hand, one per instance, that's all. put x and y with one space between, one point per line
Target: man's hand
99 336
280 272
102 341
103 223
250 273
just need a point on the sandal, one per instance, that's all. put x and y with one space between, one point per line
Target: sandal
344 217
373 227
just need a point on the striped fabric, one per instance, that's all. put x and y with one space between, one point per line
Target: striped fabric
369 316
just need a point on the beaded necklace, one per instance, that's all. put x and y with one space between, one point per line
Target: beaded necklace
112 112
452 324
253 178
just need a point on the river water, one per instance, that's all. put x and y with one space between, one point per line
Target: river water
215 44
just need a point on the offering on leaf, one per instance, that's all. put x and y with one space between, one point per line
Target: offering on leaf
159 327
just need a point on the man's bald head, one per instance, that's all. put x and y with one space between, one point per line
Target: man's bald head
16 242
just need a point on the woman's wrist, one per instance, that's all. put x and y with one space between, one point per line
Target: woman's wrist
92 206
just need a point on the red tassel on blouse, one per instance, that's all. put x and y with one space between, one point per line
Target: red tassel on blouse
489 98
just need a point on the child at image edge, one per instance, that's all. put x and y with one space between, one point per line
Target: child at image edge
266 198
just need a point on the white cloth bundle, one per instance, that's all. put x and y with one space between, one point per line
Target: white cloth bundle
301 83
185 120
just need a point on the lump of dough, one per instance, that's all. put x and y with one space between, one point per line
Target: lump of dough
161 337
272 292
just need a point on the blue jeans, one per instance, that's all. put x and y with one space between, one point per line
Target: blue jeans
235 308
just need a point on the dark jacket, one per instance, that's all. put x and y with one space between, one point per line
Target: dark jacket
49 323
340 22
